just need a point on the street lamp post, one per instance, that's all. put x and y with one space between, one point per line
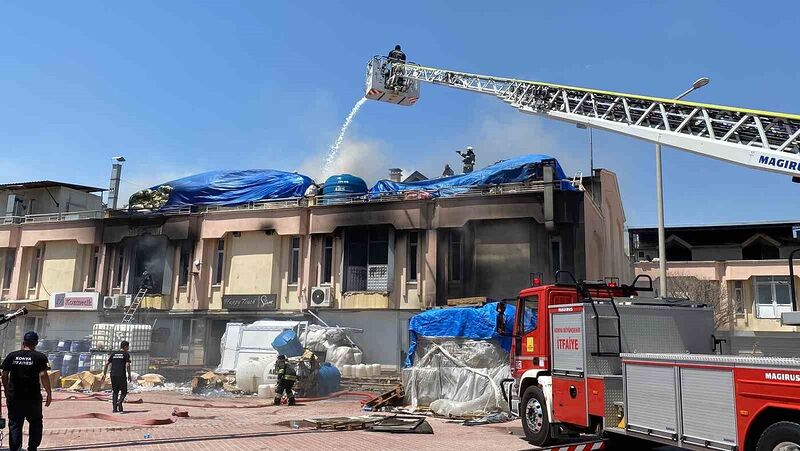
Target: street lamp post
662 251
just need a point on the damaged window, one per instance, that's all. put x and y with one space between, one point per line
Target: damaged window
367 259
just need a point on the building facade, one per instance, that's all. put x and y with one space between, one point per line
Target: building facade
368 263
740 269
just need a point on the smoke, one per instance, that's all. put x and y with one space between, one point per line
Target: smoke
358 156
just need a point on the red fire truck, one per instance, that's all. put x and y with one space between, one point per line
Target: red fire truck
595 357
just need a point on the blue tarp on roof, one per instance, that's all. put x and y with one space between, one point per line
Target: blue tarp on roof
477 323
228 188
518 169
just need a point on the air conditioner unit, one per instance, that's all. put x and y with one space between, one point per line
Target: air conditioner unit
124 300
110 302
321 297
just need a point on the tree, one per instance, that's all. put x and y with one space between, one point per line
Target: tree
703 291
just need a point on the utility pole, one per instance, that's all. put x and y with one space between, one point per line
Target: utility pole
662 251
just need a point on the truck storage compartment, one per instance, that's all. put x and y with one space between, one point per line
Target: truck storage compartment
705 390
702 415
651 399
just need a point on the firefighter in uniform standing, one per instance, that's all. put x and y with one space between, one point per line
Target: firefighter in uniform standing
286 378
22 372
120 362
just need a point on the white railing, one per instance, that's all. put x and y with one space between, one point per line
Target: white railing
52 217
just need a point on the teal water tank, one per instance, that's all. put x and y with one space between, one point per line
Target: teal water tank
343 185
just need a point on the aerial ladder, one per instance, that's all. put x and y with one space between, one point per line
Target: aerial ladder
757 139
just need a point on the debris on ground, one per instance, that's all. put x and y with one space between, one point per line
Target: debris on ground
375 423
54 376
85 380
151 380
390 398
209 381
499 417
402 424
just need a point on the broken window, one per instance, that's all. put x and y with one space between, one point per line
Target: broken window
120 265
367 259
185 262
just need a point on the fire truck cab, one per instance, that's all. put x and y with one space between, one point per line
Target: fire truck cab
597 358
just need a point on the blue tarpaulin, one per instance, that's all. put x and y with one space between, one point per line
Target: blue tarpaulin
477 323
228 188
518 169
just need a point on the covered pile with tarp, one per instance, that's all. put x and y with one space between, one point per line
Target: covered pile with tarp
457 360
231 188
521 169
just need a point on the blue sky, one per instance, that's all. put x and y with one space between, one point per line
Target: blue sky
184 87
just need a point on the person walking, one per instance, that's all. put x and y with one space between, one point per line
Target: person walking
24 374
120 362
286 379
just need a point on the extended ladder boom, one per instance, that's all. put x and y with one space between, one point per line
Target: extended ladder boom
757 139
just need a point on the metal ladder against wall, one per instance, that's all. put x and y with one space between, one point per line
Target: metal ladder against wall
137 300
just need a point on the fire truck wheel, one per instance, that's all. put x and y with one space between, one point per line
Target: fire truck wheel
535 420
783 436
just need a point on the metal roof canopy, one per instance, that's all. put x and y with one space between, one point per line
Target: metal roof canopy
48 184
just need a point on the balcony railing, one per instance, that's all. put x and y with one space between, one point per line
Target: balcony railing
52 217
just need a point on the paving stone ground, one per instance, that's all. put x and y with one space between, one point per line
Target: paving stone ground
246 424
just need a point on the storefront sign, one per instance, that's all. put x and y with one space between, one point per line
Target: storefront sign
73 301
250 302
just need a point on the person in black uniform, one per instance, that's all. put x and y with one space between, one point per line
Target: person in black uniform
396 60
286 378
120 362
397 54
22 372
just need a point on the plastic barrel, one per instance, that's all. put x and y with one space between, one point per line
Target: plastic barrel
69 365
75 346
55 360
63 345
46 345
328 379
84 361
286 343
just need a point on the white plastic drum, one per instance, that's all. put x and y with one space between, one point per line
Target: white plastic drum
250 374
266 391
